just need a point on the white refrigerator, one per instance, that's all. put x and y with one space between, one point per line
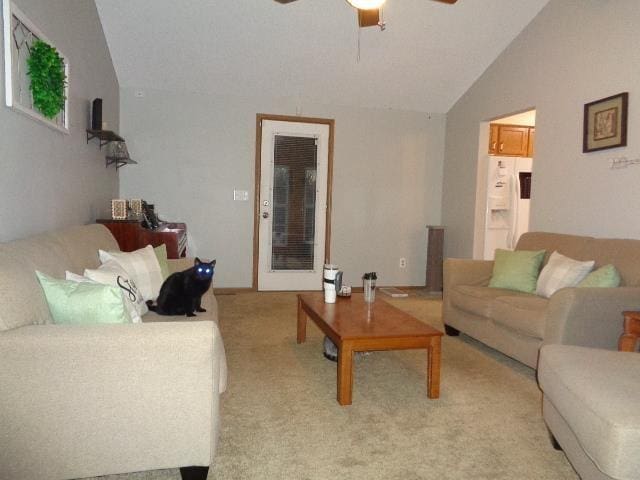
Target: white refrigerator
508 202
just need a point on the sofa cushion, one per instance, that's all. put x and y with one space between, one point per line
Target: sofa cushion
161 255
603 277
516 270
524 313
573 246
21 297
596 392
81 245
621 253
111 273
22 300
142 266
476 300
44 252
82 303
561 272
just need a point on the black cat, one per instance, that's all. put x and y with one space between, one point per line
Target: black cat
181 292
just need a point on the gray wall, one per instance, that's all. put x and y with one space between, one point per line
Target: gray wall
50 180
194 150
574 52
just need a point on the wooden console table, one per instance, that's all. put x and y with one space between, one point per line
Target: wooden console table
631 335
131 236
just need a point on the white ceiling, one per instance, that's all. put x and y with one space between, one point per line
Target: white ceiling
428 56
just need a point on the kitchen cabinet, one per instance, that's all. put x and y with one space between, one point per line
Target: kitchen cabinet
511 140
532 137
493 138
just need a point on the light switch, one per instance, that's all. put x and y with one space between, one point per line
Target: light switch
241 195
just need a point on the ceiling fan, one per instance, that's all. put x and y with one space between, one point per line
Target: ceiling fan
369 10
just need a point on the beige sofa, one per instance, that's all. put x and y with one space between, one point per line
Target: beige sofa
89 400
518 324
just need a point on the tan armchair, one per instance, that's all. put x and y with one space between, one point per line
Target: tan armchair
590 405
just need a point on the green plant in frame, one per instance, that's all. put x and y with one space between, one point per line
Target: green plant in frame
48 78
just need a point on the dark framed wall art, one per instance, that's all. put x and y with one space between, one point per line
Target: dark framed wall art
605 123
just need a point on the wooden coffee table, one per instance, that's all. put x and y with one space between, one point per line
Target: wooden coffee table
355 326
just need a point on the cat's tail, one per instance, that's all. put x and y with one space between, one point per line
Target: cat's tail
151 306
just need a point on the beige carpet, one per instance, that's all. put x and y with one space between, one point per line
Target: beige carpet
281 419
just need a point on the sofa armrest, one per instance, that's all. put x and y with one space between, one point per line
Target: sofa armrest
81 401
589 317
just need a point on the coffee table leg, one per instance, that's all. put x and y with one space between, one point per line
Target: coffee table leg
433 368
345 373
302 323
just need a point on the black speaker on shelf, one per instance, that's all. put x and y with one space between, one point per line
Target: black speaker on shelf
96 114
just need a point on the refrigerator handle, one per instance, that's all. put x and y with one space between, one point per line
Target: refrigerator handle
514 209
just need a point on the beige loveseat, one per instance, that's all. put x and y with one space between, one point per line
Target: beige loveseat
517 324
88 400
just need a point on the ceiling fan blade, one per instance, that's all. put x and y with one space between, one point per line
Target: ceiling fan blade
450 2
285 1
369 18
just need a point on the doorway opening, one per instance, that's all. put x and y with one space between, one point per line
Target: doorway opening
292 213
506 148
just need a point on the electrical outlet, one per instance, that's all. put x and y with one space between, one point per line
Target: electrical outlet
403 262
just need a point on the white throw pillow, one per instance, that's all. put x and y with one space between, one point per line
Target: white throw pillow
561 272
143 268
74 277
110 273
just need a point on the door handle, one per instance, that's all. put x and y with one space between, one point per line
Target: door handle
265 214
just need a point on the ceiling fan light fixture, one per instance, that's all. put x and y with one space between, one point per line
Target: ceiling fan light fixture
366 4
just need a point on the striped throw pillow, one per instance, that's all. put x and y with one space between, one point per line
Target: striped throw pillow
561 272
143 268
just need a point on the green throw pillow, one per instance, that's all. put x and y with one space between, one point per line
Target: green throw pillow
83 303
161 255
517 270
606 276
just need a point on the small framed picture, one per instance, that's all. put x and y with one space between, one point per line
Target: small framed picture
605 123
119 209
135 205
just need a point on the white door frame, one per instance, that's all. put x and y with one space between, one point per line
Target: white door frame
258 172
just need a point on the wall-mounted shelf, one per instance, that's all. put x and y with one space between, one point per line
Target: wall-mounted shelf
119 155
104 136
119 162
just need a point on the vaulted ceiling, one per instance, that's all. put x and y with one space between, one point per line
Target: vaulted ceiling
428 56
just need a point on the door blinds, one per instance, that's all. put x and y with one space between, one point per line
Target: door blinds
294 203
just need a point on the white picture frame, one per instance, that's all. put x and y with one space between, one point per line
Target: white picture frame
135 205
119 209
22 103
